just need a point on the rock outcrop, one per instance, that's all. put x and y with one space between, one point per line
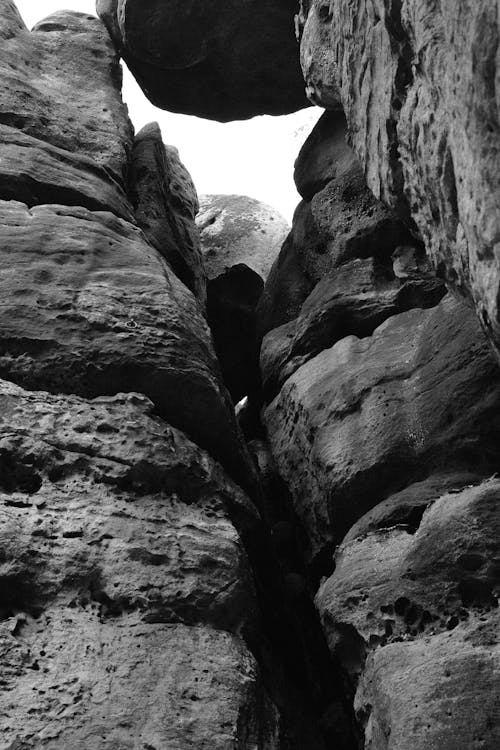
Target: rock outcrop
222 61
141 602
365 416
383 423
417 83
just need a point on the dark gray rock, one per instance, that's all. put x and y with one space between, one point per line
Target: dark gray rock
220 60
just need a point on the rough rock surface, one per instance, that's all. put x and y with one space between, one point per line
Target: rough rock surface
124 584
342 221
165 206
218 60
93 309
56 147
352 300
360 419
324 156
240 239
417 82
422 601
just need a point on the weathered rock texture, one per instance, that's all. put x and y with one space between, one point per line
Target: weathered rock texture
240 240
165 205
417 82
219 60
146 601
338 220
93 309
141 603
56 147
125 587
419 608
383 417
362 418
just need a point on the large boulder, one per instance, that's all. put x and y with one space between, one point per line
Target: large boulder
89 307
219 60
422 600
365 417
237 229
423 119
120 557
240 239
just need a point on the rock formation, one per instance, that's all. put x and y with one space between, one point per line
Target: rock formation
141 601
417 83
333 583
240 239
221 60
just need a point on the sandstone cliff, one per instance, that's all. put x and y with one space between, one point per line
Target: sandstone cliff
327 577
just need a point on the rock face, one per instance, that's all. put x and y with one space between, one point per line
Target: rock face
423 118
55 147
421 605
352 300
119 557
98 312
165 206
421 392
383 402
339 220
222 61
141 604
335 583
240 239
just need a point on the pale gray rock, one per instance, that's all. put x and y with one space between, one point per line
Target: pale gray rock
240 239
236 229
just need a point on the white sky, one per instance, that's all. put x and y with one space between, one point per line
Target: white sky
254 157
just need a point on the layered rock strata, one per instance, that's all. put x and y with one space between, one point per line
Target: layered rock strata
141 604
383 422
417 83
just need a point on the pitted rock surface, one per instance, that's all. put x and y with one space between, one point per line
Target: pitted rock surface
417 82
90 308
120 569
422 602
235 230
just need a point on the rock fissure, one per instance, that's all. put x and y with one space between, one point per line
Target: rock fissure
248 472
